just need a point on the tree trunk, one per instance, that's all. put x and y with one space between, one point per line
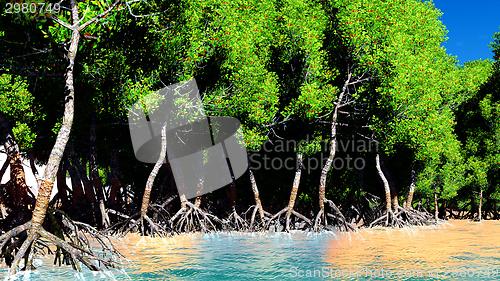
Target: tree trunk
3 210
34 169
444 208
197 201
256 195
333 149
154 172
116 185
387 188
88 187
4 168
295 188
17 188
183 201
35 226
395 201
78 195
57 152
409 198
62 188
232 194
480 209
94 175
328 165
436 210
17 176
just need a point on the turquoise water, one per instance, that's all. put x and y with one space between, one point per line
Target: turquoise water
456 251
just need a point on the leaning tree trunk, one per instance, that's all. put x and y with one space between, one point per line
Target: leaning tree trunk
154 172
391 217
34 227
387 188
57 152
409 198
47 182
328 165
143 218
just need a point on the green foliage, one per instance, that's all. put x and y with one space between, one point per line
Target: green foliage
304 199
420 86
495 45
139 91
480 133
277 66
17 104
16 100
87 10
25 136
303 27
239 36
311 146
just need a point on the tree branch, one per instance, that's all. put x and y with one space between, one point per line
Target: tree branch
359 81
61 22
98 17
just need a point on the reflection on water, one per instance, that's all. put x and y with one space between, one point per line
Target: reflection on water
456 250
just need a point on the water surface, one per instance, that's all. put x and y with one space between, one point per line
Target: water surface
455 250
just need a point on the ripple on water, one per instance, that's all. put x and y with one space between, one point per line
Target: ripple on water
443 252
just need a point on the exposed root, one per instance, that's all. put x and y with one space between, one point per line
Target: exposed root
404 217
278 221
160 212
72 243
253 226
235 221
388 219
191 218
338 219
137 223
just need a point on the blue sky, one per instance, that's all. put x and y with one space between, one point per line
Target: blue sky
470 25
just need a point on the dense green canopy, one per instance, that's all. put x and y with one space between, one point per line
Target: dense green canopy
285 69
